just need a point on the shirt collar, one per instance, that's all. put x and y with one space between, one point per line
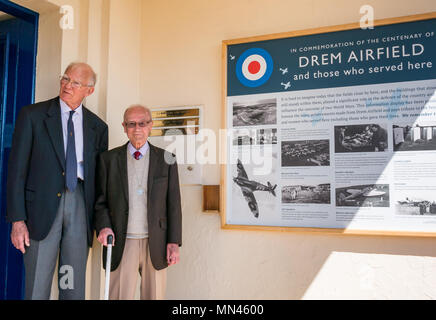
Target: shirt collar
143 149
66 109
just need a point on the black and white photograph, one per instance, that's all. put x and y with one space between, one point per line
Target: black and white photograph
244 137
361 138
367 195
414 137
248 136
257 113
415 206
305 153
266 136
313 193
253 195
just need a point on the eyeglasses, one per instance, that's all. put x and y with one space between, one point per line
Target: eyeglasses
75 84
133 124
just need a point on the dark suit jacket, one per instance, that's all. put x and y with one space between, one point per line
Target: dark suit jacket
36 169
164 213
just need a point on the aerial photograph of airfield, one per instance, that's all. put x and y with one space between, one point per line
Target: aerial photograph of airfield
317 193
366 195
261 112
305 153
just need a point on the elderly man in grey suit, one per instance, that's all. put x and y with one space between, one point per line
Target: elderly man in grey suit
138 203
50 186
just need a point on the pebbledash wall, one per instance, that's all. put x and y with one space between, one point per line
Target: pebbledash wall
168 53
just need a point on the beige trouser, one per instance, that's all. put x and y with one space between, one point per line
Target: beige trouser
136 261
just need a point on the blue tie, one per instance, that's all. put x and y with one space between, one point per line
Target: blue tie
71 160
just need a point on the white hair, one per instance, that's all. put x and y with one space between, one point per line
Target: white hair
137 106
93 78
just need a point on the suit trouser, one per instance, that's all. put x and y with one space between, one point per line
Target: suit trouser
134 262
68 237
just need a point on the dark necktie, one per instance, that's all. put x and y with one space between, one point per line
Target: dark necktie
71 160
137 154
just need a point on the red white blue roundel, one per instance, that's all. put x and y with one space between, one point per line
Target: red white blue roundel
254 67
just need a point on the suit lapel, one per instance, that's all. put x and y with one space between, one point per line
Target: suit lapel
89 136
122 166
151 170
54 128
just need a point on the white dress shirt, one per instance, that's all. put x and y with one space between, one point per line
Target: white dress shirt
132 149
78 133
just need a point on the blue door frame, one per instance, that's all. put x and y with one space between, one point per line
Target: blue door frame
18 46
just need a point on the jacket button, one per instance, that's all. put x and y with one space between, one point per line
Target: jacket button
59 195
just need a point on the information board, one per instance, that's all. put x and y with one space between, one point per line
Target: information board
332 129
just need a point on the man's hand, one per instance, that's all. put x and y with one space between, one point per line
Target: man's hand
20 236
103 234
172 253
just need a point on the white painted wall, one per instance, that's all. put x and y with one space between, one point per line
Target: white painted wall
168 53
181 66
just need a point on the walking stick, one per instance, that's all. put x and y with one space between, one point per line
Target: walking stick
108 266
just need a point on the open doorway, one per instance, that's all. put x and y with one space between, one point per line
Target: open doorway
18 47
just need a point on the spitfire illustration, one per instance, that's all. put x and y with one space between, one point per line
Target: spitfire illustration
249 186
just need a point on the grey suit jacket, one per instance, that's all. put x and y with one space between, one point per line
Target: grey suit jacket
36 169
164 213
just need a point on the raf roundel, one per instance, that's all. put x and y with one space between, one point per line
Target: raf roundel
254 67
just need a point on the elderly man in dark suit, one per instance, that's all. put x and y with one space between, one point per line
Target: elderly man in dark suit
50 187
138 202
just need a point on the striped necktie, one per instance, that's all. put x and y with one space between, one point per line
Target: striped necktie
71 160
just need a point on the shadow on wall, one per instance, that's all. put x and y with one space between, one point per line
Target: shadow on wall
241 264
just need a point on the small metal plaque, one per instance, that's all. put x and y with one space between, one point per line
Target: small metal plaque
175 113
